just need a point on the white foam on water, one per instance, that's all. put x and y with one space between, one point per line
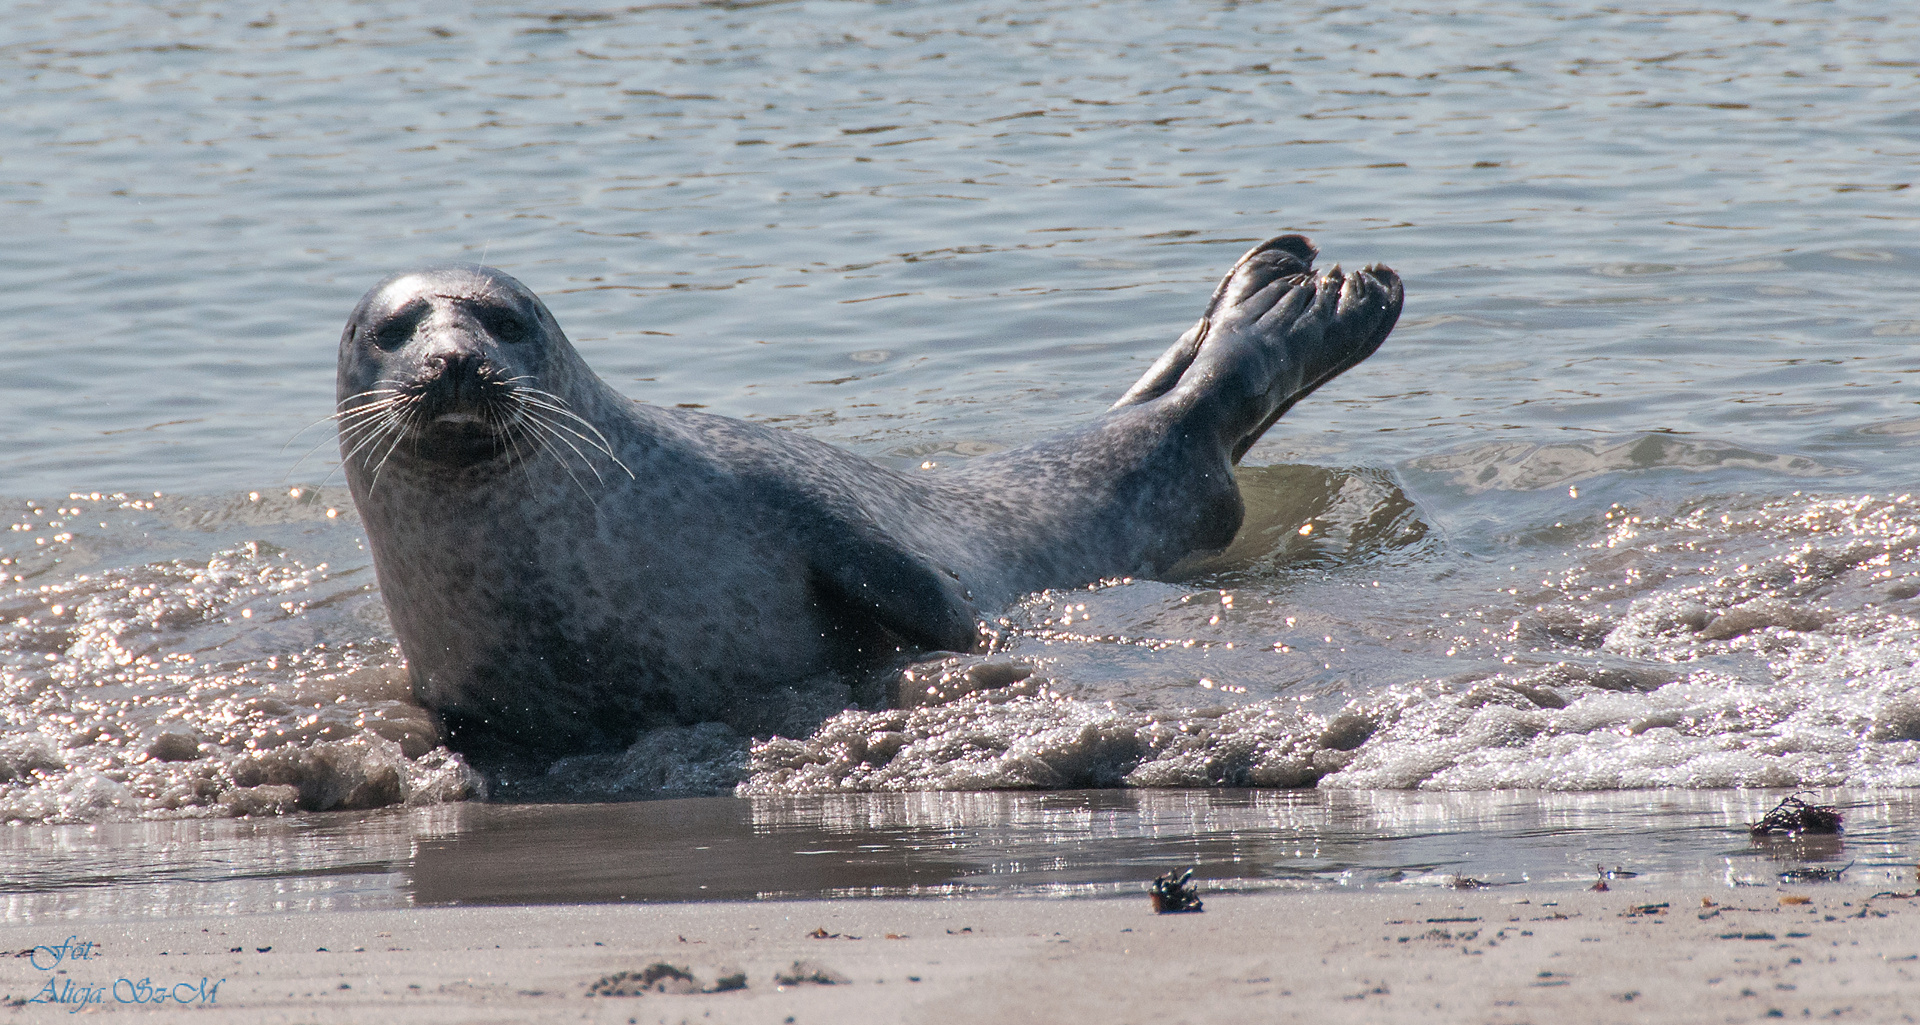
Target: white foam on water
1733 643
243 682
1721 642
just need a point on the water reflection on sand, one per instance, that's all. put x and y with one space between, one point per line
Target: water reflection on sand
1076 843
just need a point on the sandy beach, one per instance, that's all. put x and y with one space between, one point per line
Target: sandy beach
1652 953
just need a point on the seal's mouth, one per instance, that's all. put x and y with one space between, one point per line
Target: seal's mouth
465 438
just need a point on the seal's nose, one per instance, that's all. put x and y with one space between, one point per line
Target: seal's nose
456 382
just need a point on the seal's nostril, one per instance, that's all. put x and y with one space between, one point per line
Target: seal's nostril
455 365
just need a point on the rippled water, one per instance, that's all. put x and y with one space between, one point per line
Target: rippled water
1622 503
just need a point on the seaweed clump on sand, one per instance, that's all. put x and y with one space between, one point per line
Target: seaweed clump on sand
1173 896
1813 874
659 977
1795 817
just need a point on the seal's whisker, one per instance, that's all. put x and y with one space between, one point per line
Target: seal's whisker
536 420
344 427
391 393
511 435
558 405
351 433
553 426
364 447
357 427
304 456
354 437
565 465
358 438
402 429
558 400
354 426
368 433
598 441
370 409
569 413
337 416
550 427
543 393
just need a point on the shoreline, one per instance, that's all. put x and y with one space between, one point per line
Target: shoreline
1658 951
1052 844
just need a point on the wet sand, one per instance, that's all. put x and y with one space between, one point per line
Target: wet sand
1657 952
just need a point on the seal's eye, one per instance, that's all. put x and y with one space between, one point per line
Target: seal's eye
398 329
504 325
391 336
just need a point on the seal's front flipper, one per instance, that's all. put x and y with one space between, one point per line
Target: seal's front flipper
1273 332
912 598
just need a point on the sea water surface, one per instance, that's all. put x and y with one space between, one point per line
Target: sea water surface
1626 502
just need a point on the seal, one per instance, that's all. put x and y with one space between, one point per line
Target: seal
565 567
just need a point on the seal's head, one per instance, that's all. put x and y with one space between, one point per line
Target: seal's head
453 368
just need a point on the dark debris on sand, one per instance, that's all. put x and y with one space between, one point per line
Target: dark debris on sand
661 977
1813 874
1795 817
1173 896
809 973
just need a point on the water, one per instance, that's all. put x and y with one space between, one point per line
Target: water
1077 844
1621 504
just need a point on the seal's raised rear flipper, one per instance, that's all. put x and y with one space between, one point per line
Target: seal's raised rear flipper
1273 332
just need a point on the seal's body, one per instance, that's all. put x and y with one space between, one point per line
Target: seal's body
565 567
